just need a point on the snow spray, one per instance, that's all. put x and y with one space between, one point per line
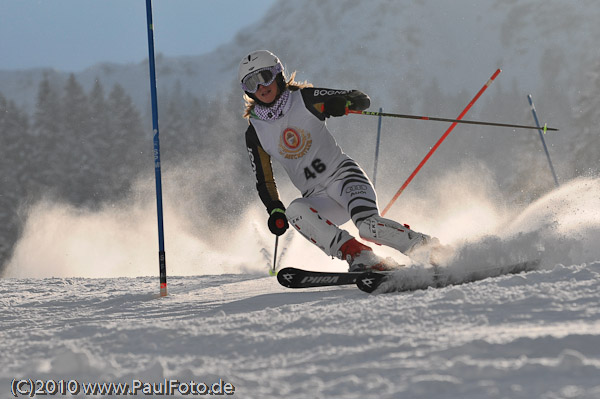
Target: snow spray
60 240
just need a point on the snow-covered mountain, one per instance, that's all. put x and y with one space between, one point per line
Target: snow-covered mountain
425 57
391 49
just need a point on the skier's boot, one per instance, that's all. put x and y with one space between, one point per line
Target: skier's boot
362 258
393 234
418 246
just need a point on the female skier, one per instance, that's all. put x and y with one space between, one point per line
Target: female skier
287 123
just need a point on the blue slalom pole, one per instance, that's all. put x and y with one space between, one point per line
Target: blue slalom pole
161 236
541 132
377 147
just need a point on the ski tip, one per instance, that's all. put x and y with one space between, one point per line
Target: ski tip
369 281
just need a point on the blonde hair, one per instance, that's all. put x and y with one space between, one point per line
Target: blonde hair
291 85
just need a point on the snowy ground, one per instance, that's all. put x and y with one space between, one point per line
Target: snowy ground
533 335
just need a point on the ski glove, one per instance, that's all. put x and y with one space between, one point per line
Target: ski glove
358 100
336 106
278 223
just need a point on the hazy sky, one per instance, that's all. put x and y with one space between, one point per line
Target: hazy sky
71 35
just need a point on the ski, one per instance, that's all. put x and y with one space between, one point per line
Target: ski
384 282
370 281
292 277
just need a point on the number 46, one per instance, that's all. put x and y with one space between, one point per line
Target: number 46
317 166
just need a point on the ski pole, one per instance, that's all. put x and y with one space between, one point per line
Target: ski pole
433 118
435 147
541 132
273 269
377 149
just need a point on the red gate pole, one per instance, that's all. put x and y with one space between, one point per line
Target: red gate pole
439 142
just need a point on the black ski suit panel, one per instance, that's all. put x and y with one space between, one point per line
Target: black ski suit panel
313 98
263 170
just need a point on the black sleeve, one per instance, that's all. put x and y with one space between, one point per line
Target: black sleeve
315 97
263 170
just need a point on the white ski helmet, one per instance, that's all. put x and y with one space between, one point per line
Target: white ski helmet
258 60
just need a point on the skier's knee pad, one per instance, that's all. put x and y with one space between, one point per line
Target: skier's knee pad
316 229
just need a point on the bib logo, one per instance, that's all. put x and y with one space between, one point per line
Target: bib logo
294 143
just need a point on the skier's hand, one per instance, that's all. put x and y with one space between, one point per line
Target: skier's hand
358 100
335 106
278 223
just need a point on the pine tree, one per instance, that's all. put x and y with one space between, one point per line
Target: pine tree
14 163
197 122
585 147
98 111
128 149
173 128
99 127
47 114
77 146
11 131
75 109
14 128
47 125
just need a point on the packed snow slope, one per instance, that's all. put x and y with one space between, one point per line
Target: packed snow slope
533 335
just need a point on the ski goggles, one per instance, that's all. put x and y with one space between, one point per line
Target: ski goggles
264 77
